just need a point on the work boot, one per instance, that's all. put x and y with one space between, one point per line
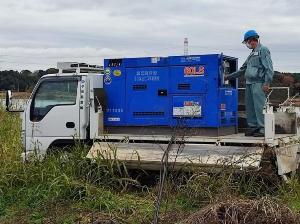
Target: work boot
251 131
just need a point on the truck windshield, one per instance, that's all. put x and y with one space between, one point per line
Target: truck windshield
50 94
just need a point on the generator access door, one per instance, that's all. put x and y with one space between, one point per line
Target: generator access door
147 96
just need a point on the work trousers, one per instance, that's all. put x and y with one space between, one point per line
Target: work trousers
255 101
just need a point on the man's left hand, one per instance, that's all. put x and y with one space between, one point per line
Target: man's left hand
266 88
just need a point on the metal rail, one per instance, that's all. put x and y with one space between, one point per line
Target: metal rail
274 88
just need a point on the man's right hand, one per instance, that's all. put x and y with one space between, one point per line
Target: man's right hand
226 78
266 88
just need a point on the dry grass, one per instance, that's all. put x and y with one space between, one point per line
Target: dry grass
238 211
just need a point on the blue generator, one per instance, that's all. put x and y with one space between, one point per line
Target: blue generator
154 95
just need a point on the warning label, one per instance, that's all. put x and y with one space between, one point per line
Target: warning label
190 109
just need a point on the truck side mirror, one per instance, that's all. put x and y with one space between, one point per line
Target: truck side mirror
8 100
8 103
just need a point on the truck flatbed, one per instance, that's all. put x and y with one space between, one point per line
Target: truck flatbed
236 150
239 138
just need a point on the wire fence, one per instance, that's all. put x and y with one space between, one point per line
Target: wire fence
278 96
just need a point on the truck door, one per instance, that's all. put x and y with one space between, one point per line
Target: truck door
53 112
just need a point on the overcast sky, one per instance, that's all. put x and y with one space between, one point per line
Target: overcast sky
35 34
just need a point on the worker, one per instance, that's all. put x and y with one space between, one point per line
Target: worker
258 72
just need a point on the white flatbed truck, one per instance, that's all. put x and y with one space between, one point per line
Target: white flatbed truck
67 106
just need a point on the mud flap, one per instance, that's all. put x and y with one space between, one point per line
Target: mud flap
287 158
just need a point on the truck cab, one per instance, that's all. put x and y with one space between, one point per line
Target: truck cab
61 106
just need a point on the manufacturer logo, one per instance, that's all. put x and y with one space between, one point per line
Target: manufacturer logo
107 71
113 119
107 80
190 58
193 71
117 73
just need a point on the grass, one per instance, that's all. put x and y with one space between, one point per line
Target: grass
67 188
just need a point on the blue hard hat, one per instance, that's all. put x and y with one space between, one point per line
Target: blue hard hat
249 34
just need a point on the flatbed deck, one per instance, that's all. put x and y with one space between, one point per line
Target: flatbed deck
149 155
239 138
236 150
